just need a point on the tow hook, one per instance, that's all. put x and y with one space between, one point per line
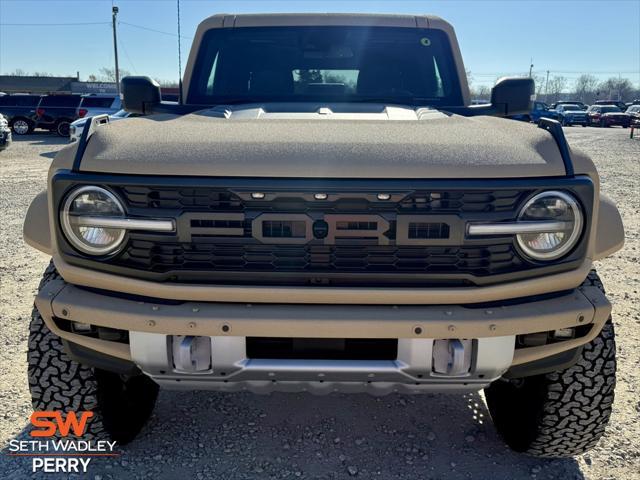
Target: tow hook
191 353
452 357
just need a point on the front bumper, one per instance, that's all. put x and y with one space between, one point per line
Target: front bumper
577 120
492 328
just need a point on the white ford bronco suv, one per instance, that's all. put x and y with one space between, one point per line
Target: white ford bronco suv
324 211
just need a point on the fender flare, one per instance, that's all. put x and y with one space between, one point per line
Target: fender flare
609 236
37 229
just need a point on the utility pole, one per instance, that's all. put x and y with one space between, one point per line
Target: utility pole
546 86
531 68
180 99
114 15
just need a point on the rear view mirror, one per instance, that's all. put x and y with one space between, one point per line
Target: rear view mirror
512 96
140 94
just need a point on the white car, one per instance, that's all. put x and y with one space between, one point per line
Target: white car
97 104
75 130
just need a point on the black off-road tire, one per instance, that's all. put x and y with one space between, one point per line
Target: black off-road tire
121 405
564 413
63 127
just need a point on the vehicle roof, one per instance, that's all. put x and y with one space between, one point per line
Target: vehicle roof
321 19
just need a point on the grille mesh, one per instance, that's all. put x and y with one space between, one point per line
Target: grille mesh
164 257
219 258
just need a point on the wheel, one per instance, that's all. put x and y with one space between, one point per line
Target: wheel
21 126
584 125
559 414
121 405
602 124
563 122
63 127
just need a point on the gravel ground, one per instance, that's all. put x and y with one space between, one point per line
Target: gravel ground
202 435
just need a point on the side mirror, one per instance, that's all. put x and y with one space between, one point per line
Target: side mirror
512 96
140 94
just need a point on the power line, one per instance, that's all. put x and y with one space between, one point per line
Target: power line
152 29
543 72
126 54
52 24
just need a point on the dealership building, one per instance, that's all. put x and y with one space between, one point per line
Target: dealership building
44 85
64 85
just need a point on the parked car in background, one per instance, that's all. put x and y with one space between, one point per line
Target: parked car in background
20 112
92 105
5 133
56 112
607 116
555 105
621 105
538 111
542 110
570 114
76 128
634 112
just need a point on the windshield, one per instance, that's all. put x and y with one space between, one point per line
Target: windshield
571 107
327 64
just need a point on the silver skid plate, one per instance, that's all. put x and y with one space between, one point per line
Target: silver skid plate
418 367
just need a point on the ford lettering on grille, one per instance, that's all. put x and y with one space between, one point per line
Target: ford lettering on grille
327 229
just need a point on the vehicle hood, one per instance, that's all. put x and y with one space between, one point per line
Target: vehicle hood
323 142
615 114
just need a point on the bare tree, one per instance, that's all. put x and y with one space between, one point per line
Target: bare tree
557 85
585 88
483 92
18 72
539 83
168 83
108 74
616 89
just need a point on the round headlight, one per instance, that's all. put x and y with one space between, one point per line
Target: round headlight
80 219
557 207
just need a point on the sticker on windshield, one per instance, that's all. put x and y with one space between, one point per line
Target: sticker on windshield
425 42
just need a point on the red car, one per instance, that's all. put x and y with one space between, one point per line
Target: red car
607 116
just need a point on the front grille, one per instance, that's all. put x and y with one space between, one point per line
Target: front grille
318 259
431 254
209 199
393 233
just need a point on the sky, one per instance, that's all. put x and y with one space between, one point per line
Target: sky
500 37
